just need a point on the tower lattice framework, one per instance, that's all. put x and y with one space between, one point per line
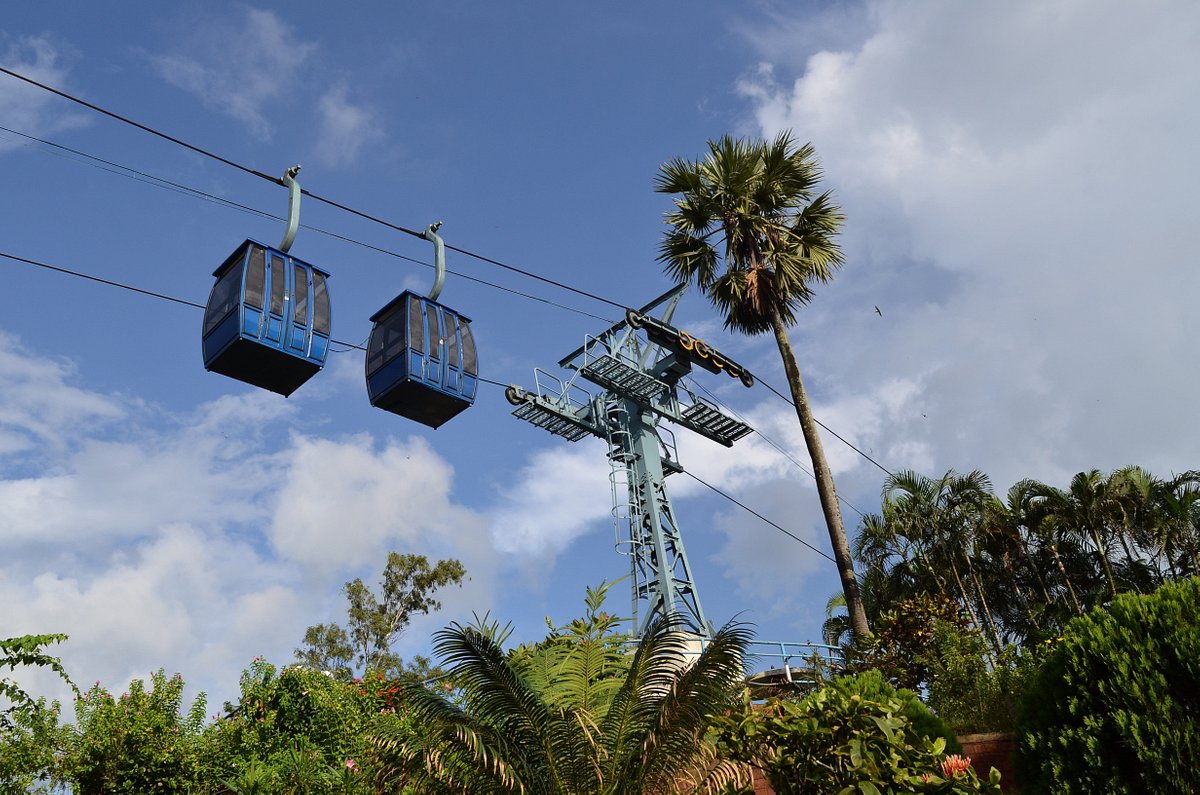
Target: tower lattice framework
639 365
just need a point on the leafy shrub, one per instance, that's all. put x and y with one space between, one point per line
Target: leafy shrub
138 743
903 641
872 686
294 729
837 741
925 643
30 744
1115 706
969 695
31 738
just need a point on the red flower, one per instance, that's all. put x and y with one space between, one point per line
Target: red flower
955 764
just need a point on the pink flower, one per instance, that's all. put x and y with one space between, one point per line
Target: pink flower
351 764
955 764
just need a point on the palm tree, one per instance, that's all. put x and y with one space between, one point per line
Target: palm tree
1177 537
1087 506
943 519
500 733
753 208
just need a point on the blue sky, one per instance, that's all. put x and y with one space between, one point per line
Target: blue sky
1019 185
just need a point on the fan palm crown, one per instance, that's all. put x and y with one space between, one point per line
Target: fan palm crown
750 230
752 206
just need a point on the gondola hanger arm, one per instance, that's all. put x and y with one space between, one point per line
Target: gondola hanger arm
293 222
439 259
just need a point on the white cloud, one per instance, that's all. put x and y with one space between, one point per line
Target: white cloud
556 497
343 503
198 541
24 107
40 408
1018 184
239 67
344 127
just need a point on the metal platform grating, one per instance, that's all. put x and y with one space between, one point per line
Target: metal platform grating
714 422
545 417
611 373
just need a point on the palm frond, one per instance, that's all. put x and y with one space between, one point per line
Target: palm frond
667 700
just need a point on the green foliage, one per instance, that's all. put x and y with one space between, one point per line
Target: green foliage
872 686
752 207
558 717
581 665
327 647
375 621
839 741
30 736
966 693
26 651
925 643
1021 567
902 646
138 743
1115 707
30 747
295 730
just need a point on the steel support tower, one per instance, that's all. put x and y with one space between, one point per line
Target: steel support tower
639 364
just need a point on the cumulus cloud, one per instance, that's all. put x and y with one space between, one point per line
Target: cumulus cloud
344 503
197 541
24 107
239 67
1017 181
566 482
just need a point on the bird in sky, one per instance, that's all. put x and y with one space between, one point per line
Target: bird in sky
878 312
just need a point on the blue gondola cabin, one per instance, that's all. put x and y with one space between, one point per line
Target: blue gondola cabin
421 361
267 320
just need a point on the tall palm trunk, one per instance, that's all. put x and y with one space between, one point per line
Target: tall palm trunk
1104 562
997 643
1066 579
966 600
1032 566
825 489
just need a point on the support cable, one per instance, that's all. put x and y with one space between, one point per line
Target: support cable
778 447
187 190
372 218
839 437
750 510
171 298
130 287
350 345
314 196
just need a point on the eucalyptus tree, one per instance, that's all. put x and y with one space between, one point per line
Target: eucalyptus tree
501 730
376 620
750 229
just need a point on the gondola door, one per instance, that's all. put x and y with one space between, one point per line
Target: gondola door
276 319
436 345
298 327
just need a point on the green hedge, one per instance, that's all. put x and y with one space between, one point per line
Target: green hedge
1115 706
